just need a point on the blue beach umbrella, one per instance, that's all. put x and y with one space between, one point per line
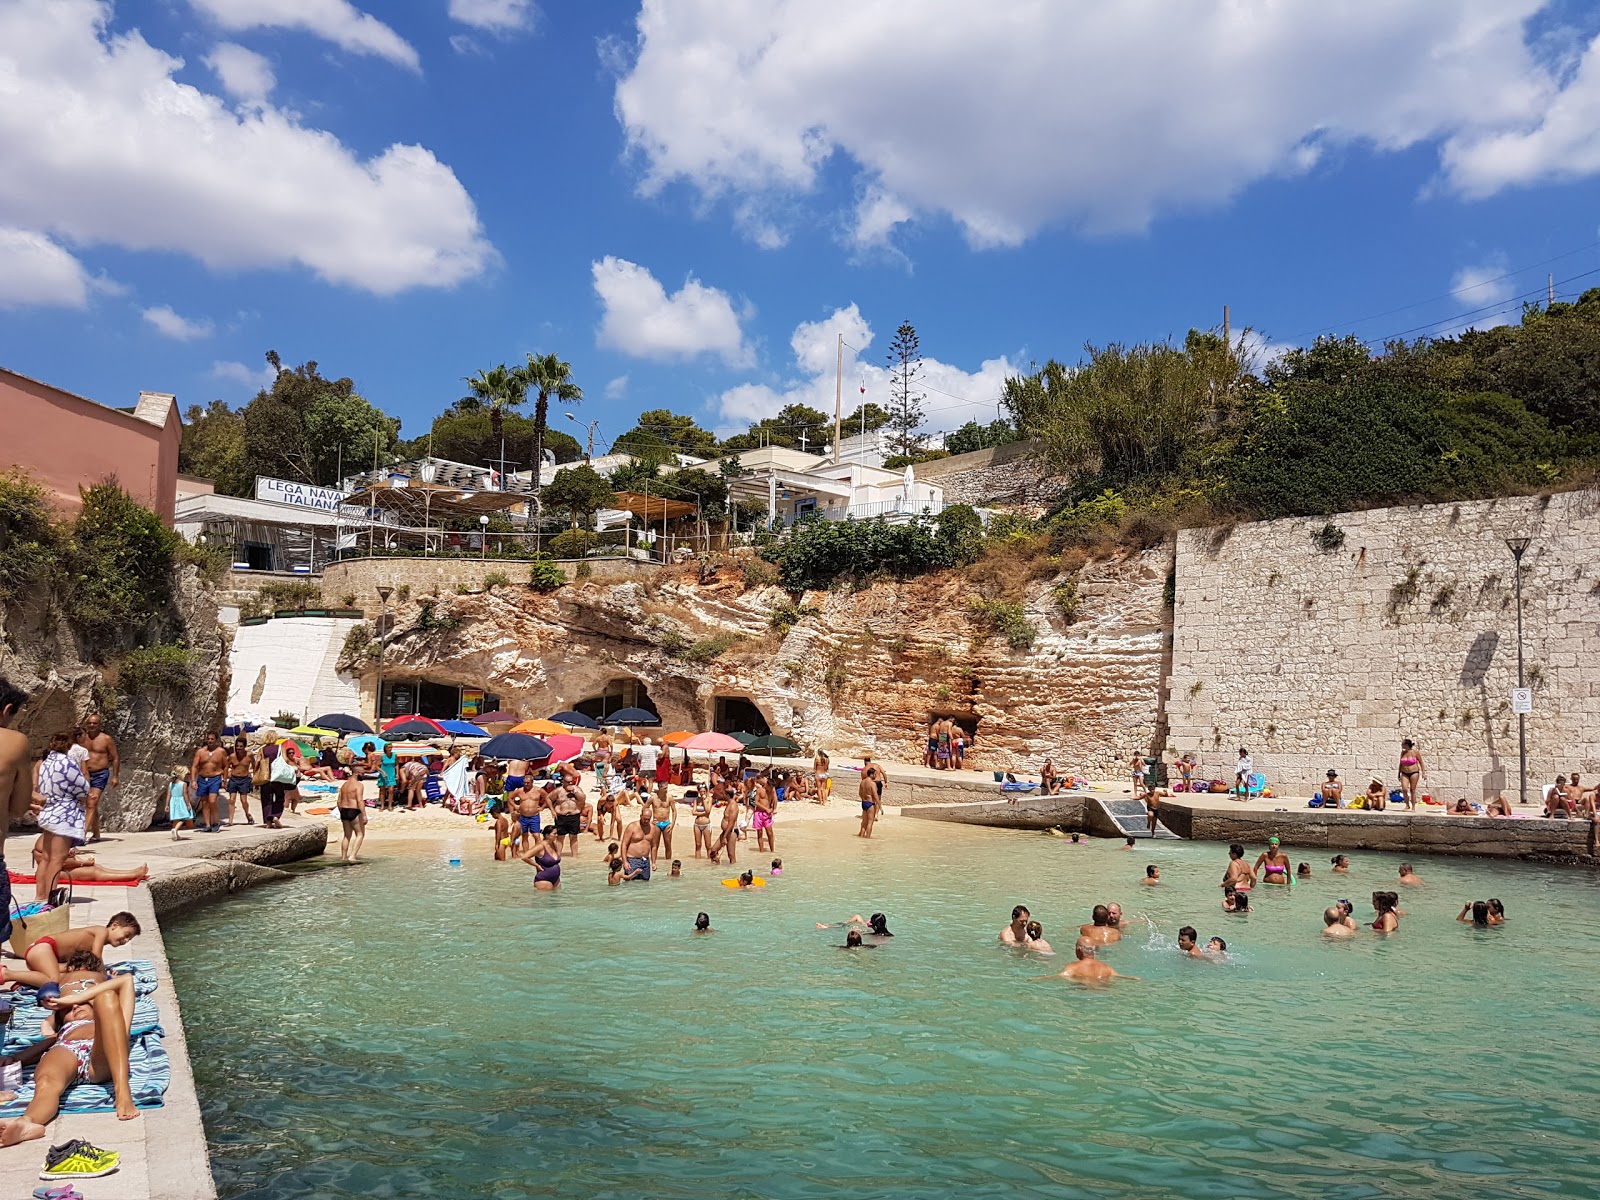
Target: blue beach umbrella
465 729
515 745
360 745
341 723
632 716
575 720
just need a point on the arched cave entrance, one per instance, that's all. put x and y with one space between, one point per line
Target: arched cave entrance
618 693
739 714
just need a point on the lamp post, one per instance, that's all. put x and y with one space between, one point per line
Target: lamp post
588 455
483 537
383 599
1518 547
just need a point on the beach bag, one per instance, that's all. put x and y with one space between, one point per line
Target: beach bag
282 770
25 931
1397 797
1315 801
262 773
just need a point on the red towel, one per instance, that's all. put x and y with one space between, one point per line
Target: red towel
16 878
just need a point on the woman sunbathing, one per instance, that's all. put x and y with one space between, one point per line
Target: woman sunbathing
81 868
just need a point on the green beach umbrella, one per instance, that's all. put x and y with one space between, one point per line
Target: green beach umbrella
773 743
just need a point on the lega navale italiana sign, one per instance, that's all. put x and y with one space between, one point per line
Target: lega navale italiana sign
301 495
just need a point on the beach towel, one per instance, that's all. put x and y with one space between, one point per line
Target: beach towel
1018 787
149 1071
77 883
456 780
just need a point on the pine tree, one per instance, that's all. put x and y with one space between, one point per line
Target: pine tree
905 400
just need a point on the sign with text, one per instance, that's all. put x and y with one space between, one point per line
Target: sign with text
1522 700
301 495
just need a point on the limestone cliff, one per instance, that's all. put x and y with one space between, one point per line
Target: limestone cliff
155 730
853 672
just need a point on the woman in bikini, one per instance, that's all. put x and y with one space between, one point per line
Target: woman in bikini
1383 903
1412 769
702 824
1274 864
1238 875
81 868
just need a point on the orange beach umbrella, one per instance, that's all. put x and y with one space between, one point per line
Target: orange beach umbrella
539 728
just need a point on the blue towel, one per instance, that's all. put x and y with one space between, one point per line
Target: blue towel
149 1071
1018 787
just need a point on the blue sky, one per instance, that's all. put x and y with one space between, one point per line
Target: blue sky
690 200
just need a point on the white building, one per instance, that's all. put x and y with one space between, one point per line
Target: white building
796 485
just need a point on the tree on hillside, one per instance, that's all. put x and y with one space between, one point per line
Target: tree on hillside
660 433
493 391
581 491
973 436
213 448
794 426
868 417
548 378
305 427
468 437
905 397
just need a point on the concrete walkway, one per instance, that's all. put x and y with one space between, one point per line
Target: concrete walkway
163 1150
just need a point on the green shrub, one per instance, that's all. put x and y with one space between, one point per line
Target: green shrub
961 529
758 574
1067 599
348 600
161 667
430 618
583 570
286 720
495 579
1329 538
30 544
119 591
816 554
787 614
712 647
1089 519
544 576
214 562
291 594
1005 618
1010 526
402 593
572 543
355 646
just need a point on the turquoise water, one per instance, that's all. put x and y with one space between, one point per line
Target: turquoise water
409 1028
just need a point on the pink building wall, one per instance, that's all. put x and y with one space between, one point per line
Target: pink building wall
65 442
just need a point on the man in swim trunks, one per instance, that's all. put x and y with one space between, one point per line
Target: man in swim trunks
353 817
209 765
241 766
728 840
1102 932
763 806
1086 968
567 808
638 846
665 815
103 768
527 803
516 773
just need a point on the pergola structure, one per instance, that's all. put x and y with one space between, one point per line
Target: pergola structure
431 492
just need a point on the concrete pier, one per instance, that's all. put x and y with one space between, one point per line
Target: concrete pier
163 1150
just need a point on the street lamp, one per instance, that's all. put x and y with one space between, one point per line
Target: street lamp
483 537
589 452
1518 547
383 599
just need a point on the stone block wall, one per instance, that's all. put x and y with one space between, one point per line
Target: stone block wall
361 577
1016 474
1320 657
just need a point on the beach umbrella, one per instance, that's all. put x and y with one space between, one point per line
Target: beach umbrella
499 717
575 720
433 727
516 745
773 743
307 750
632 716
415 727
716 743
413 749
539 728
672 739
564 746
744 739
464 729
342 723
313 731
360 745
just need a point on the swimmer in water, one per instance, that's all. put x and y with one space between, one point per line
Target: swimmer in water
1349 914
1273 864
1016 933
777 867
702 923
853 941
1333 923
1128 845
1217 948
1101 932
1407 875
676 870
1187 937
1086 968
1152 877
748 879
1497 912
1238 875
1341 864
1235 901
1479 910
1383 904
1303 871
1036 938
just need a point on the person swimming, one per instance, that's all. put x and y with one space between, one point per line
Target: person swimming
702 923
1479 910
853 941
1274 864
1036 938
1187 937
777 867
1333 923
1235 900
1152 876
1303 871
1497 912
1217 947
1341 864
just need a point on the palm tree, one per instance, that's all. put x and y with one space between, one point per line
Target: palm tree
549 377
496 390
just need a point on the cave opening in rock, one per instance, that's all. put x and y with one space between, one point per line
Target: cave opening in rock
626 692
739 714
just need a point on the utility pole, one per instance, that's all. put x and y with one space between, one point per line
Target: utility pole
1552 293
1227 329
838 400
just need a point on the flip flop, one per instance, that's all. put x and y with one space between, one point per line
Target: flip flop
62 1191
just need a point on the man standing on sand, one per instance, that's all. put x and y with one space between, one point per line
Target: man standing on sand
352 817
104 769
729 839
665 815
868 791
16 782
763 805
638 845
209 765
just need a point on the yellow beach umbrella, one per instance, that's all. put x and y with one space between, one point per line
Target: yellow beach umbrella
539 728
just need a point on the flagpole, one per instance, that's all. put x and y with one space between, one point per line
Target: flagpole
838 400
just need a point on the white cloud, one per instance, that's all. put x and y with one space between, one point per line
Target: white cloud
339 21
495 16
617 388
35 272
1014 115
254 378
953 396
244 74
1483 291
170 324
639 318
102 145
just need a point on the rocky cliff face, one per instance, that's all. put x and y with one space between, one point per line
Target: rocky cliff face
155 731
853 672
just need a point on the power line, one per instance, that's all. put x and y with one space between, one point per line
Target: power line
1497 308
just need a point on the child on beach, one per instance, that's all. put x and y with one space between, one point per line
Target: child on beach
47 954
179 811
